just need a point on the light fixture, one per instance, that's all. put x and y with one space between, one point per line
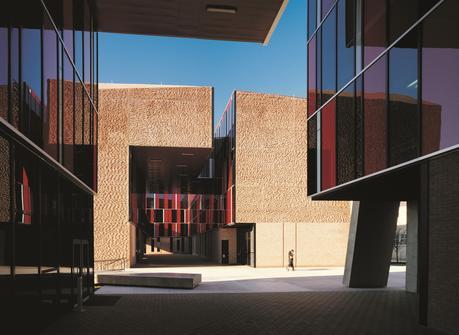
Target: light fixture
221 9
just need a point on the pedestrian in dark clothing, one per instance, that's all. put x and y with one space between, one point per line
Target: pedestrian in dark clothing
291 256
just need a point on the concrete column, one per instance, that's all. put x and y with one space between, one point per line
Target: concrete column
411 284
370 243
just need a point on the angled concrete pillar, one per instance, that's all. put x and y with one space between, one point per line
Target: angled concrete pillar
371 237
412 247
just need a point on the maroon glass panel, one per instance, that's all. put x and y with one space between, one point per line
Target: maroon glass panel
375 117
328 141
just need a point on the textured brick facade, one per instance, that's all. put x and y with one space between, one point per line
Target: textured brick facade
271 185
140 115
443 269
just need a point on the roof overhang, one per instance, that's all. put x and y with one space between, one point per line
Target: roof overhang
234 20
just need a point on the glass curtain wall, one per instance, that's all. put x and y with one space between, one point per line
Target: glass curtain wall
46 218
401 106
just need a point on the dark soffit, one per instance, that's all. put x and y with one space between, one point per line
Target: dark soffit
254 20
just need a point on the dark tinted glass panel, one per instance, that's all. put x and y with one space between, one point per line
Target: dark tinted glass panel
375 116
3 71
158 215
374 29
31 116
68 26
319 62
15 92
87 46
345 132
312 156
359 126
55 9
312 88
328 145
50 89
428 4
403 14
49 223
326 5
404 116
312 16
78 21
440 78
329 57
346 41
27 218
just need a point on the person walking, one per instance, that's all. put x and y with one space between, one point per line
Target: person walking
291 256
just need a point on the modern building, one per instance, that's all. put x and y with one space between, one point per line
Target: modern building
260 163
49 125
170 184
383 127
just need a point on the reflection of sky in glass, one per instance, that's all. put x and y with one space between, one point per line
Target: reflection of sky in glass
3 56
440 86
49 59
345 52
403 72
329 52
31 65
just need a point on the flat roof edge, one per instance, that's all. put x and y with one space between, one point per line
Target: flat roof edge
275 22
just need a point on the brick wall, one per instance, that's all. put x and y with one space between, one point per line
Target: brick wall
271 185
141 115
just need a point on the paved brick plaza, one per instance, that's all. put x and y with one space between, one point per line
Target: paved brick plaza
359 312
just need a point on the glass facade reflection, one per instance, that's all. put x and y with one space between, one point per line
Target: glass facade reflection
398 104
47 171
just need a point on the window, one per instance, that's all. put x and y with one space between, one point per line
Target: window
328 145
31 115
374 29
440 79
403 14
346 135
312 88
50 89
329 57
3 71
312 156
375 116
312 16
346 42
404 116
326 5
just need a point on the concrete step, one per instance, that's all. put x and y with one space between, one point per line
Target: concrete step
165 280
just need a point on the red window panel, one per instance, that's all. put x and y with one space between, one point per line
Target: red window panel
328 151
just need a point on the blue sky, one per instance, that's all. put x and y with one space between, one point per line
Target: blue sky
279 67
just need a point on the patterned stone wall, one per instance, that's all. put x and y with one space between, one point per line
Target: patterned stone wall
271 185
141 115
